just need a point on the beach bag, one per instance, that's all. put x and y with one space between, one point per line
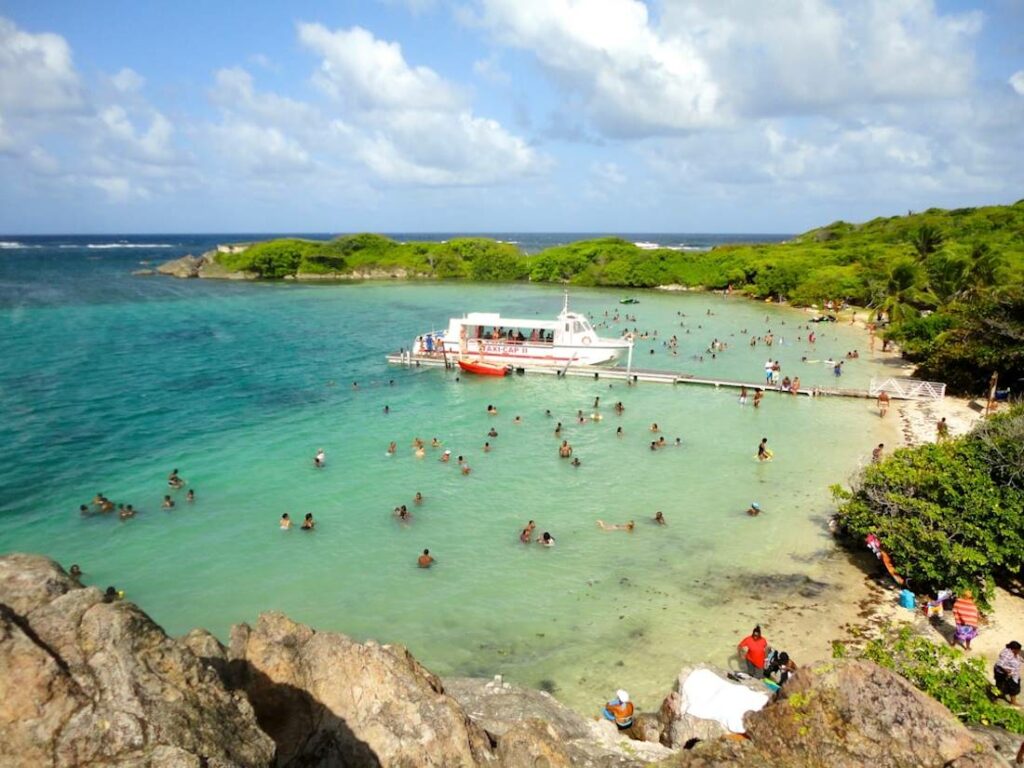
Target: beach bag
907 599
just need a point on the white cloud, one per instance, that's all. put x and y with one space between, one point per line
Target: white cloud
704 64
127 80
1017 81
37 75
611 62
489 69
151 145
367 73
260 150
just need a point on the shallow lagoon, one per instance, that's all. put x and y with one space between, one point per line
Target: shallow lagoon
237 385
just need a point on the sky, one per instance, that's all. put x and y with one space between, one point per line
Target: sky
503 115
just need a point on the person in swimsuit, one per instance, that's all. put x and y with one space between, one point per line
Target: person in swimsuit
168 503
286 522
628 527
546 540
418 498
763 453
307 523
190 496
527 532
659 518
425 560
174 481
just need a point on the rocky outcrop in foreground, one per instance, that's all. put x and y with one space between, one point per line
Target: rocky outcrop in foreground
86 682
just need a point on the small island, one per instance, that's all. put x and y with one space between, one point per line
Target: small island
944 285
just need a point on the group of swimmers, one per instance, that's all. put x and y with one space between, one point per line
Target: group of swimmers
308 523
102 505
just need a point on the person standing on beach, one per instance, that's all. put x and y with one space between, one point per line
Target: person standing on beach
876 455
755 648
966 619
883 403
1007 672
942 430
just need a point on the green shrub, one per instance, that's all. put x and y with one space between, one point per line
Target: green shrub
947 513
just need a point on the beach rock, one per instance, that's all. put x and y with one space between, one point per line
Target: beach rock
678 727
87 682
848 714
328 700
186 266
529 722
854 713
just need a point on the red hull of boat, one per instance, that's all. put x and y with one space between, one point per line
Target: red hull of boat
483 369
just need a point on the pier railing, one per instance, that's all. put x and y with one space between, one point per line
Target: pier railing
907 389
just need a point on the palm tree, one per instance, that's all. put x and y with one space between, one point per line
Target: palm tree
927 240
903 291
984 270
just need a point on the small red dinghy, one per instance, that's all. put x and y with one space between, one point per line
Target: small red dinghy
482 368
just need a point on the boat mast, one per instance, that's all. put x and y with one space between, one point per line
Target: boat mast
565 303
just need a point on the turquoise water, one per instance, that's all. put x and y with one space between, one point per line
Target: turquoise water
108 381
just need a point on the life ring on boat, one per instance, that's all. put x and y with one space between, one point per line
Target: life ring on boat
585 340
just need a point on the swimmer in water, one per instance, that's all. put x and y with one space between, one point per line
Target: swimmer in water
446 457
425 560
392 447
754 510
659 518
575 462
628 527
565 450
654 445
307 523
517 420
527 532
493 432
757 398
464 467
418 498
618 432
492 411
83 510
743 395
546 540
596 416
558 429
174 481
419 452
763 452
654 427
286 522
189 497
548 413
435 443
387 410
168 503
320 459
487 447
75 572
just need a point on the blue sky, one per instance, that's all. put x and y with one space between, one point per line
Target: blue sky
504 115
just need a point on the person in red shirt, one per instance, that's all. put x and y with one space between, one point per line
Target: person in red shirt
755 648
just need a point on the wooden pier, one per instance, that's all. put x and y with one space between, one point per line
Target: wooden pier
638 375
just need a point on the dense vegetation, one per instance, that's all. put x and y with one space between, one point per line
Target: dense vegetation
949 282
944 673
950 514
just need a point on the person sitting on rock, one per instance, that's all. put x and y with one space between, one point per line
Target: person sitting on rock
619 710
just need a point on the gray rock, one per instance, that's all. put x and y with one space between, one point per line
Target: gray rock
85 682
186 266
536 723
327 700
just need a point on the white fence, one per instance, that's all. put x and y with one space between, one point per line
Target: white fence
908 389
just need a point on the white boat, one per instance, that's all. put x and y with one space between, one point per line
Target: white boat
569 339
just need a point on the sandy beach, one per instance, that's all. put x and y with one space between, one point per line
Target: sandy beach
858 597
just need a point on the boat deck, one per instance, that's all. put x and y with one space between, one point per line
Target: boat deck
634 375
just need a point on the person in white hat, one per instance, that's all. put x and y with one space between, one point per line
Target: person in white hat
755 509
446 456
619 710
